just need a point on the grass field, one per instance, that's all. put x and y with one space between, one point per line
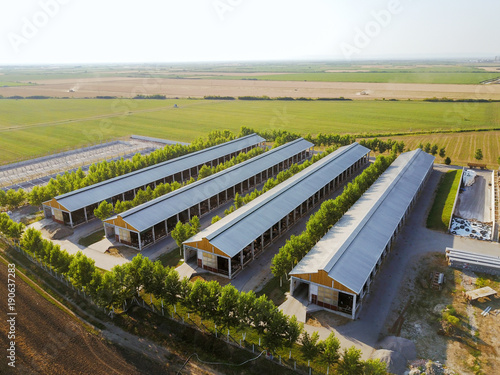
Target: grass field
30 128
91 238
440 213
377 77
460 147
12 84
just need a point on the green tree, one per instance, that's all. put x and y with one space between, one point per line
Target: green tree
311 347
195 225
238 201
15 230
442 152
447 161
228 306
181 233
174 288
81 270
293 332
204 171
215 219
276 331
479 154
350 362
331 349
374 367
3 198
104 210
434 149
427 147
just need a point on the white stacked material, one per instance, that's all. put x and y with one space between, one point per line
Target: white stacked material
472 229
468 177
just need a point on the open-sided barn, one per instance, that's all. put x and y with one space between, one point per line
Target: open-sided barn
340 268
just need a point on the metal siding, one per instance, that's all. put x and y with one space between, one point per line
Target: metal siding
237 230
106 189
159 209
352 248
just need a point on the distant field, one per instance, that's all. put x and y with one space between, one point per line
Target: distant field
375 77
13 84
29 128
460 147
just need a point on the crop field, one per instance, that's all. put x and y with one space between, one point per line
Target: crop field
375 77
460 147
30 128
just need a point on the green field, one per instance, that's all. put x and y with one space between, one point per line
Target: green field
13 84
375 77
30 128
440 213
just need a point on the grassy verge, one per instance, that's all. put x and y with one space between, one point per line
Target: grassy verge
274 292
440 213
171 259
91 238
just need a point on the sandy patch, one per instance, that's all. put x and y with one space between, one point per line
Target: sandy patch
490 68
129 87
122 252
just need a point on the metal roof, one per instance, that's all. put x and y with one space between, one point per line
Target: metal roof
352 247
96 193
237 230
153 212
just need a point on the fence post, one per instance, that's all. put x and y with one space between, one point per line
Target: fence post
280 360
290 355
295 365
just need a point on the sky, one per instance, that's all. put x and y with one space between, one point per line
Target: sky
131 31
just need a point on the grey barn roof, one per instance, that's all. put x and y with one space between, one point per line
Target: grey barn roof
96 193
237 230
153 212
351 249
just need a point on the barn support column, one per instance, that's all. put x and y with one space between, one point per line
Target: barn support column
253 253
123 197
153 232
85 212
139 237
241 259
71 220
354 307
229 268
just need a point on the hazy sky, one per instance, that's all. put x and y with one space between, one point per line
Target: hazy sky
81 31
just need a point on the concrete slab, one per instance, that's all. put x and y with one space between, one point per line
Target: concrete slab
474 203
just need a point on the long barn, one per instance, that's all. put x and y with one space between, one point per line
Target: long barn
340 268
145 224
78 206
227 246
